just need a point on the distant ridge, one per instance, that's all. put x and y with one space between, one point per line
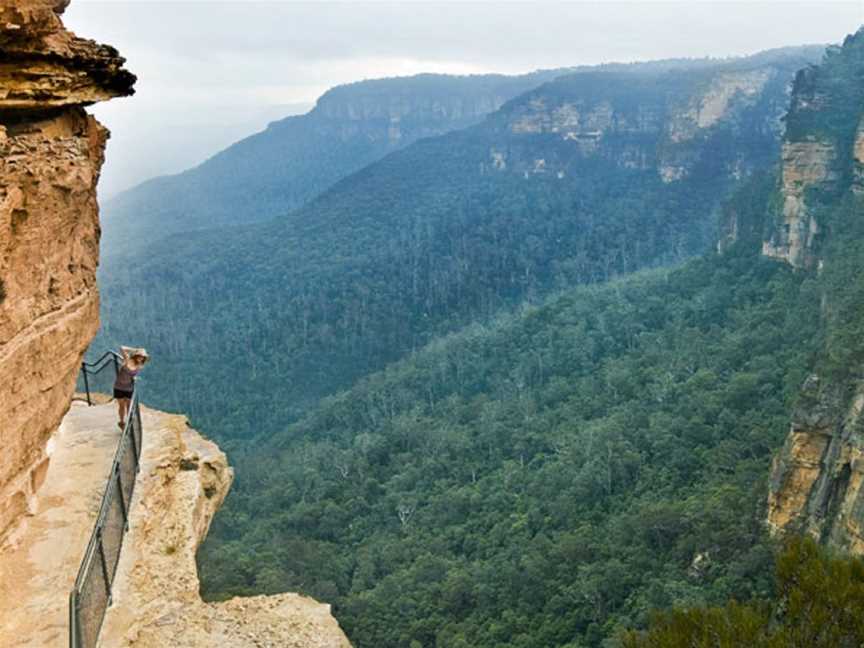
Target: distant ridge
296 158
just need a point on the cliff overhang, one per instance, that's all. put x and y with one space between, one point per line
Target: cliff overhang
52 153
45 66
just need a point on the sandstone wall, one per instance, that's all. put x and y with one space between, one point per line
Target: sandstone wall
183 480
858 160
805 165
817 477
669 131
51 152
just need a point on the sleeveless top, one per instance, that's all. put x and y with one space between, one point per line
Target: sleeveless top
125 378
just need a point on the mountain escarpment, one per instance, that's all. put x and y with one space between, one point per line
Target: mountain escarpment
52 152
675 133
817 477
294 159
819 155
593 174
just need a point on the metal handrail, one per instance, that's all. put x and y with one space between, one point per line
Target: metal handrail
108 353
95 553
87 369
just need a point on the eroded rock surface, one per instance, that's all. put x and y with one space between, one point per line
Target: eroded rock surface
822 152
805 165
51 153
858 160
816 478
45 66
183 481
708 107
669 127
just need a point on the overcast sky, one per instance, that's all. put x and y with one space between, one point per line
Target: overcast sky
210 72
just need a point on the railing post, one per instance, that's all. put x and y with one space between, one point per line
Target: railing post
103 562
137 432
133 438
122 500
74 639
86 382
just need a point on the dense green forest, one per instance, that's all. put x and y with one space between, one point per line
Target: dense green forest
545 480
555 477
552 477
497 388
816 603
434 237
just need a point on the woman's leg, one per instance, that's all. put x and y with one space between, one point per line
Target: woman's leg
123 404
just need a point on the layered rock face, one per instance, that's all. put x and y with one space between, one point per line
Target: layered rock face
372 110
51 153
817 477
822 152
183 480
805 165
674 124
858 160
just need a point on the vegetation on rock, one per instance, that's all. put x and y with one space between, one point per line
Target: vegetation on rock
815 604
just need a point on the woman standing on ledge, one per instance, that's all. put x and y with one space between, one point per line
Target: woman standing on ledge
124 384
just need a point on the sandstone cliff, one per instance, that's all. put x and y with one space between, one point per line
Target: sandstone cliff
858 155
821 152
398 111
182 483
717 121
817 476
805 165
51 153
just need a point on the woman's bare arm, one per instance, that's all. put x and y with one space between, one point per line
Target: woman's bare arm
124 350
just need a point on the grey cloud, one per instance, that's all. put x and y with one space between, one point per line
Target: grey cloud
191 56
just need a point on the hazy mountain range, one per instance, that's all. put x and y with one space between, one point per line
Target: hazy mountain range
486 378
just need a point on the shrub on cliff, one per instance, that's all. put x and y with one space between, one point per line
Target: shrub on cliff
817 602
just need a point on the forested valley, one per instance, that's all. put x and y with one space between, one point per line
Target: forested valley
548 477
477 400
447 231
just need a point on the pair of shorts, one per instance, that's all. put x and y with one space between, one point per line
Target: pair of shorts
119 393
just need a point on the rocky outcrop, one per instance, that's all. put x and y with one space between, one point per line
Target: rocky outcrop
672 122
817 477
182 483
397 111
805 165
45 66
823 151
51 153
858 160
713 103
